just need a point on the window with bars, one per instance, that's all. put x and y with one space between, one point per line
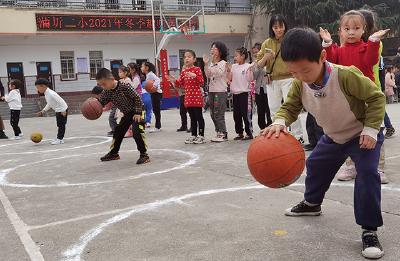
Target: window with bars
189 5
67 65
95 62
139 4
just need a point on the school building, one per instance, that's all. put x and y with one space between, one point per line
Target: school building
67 41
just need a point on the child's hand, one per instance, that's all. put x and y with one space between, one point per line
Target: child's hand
64 114
40 114
380 34
137 118
277 129
190 75
367 142
325 35
206 59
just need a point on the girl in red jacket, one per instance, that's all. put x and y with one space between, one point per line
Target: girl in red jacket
191 79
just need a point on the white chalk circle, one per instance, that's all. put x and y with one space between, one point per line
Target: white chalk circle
74 252
4 172
58 148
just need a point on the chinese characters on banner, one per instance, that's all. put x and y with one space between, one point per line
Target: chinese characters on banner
52 22
164 72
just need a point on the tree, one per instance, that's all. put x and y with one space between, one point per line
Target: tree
315 13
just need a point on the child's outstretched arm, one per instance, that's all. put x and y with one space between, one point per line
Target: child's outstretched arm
374 43
330 47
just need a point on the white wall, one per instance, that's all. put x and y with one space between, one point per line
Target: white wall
32 50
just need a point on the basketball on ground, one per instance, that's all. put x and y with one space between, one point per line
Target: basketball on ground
149 86
36 137
276 162
92 109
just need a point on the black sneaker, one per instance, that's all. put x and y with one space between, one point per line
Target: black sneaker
143 159
3 136
372 249
239 137
110 134
248 137
110 157
183 128
189 130
389 132
302 209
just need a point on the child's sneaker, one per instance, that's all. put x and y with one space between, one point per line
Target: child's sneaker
3 136
21 135
15 138
302 209
248 137
199 140
389 132
239 137
372 249
190 140
221 137
155 130
144 158
347 174
110 157
182 128
57 142
384 179
148 125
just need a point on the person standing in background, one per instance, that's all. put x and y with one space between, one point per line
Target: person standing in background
3 136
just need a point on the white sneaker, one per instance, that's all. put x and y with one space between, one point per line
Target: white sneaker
384 179
57 142
15 138
21 135
199 140
148 125
155 130
347 174
190 140
220 138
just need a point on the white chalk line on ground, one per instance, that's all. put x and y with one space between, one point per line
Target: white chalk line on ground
74 252
193 158
21 229
60 147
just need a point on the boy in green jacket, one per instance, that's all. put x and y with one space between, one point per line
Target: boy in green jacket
350 109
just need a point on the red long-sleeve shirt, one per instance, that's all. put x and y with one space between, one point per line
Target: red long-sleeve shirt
193 94
362 55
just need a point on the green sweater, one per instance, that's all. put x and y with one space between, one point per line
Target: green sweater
279 71
351 105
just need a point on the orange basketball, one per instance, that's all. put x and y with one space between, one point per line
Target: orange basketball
149 86
92 109
276 162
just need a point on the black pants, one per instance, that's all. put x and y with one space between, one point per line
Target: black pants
241 113
14 120
183 111
263 109
122 128
314 131
61 122
156 102
196 120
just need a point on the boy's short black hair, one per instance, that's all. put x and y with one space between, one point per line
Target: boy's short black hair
43 81
16 83
97 90
301 43
257 45
104 73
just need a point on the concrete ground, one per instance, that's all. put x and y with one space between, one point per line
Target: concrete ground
192 202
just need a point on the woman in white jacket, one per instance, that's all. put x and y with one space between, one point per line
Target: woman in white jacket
14 102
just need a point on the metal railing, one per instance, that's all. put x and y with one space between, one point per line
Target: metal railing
210 6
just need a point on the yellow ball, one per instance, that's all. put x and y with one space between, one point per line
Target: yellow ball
36 137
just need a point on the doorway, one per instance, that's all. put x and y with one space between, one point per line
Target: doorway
44 71
16 71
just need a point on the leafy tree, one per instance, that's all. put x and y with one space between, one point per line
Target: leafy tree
315 13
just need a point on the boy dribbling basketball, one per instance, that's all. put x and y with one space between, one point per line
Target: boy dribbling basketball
129 102
350 109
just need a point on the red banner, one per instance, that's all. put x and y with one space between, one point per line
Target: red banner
164 72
